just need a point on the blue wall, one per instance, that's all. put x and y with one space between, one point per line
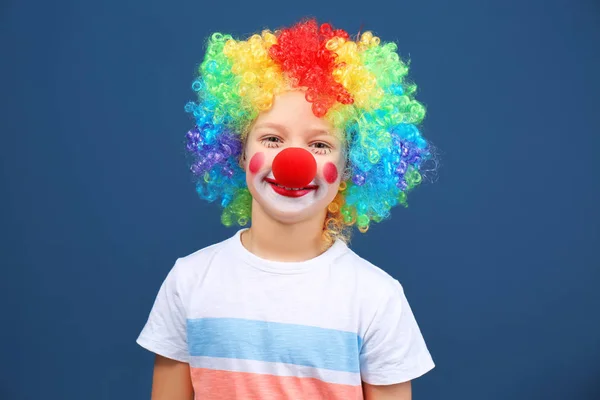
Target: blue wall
499 257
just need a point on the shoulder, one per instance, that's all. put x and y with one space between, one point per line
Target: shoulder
370 278
375 292
191 267
199 258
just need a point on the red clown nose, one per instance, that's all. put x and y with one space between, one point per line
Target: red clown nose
294 167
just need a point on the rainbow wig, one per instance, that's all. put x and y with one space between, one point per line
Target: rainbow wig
357 85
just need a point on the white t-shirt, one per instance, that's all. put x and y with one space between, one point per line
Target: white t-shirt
251 328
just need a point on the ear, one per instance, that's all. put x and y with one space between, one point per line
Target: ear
242 160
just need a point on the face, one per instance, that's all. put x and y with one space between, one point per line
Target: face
294 160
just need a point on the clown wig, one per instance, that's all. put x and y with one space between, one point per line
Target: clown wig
357 85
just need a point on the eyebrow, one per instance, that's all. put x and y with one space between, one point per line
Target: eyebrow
282 128
272 125
320 131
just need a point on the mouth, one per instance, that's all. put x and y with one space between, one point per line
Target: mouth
290 192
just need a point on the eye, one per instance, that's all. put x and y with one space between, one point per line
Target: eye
270 141
321 148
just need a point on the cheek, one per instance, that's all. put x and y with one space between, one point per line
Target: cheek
330 172
256 162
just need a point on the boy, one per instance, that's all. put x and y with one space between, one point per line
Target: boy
306 133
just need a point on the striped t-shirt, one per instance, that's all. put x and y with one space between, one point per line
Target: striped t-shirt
251 328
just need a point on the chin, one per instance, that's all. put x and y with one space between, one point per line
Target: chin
287 218
290 210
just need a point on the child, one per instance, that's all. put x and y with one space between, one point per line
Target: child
305 133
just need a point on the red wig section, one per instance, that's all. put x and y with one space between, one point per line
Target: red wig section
302 55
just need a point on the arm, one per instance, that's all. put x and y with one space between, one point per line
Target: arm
399 391
394 352
171 380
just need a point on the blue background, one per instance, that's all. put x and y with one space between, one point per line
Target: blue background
499 257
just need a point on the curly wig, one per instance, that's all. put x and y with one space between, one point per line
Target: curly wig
359 86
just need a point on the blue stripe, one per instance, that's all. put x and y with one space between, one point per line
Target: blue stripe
274 342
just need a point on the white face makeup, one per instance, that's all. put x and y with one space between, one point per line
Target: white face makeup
289 205
291 124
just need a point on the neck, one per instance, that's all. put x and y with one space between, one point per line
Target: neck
273 240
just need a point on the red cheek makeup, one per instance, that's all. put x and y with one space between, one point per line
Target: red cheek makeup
330 172
256 162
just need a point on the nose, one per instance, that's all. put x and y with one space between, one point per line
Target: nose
294 167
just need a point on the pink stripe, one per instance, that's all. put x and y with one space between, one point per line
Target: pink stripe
227 385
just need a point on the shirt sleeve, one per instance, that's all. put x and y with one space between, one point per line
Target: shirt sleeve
165 330
393 350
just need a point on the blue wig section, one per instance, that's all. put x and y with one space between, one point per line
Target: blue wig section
214 151
381 162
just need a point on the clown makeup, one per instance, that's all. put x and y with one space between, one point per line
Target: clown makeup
293 160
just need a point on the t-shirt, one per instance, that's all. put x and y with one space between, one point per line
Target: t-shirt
252 328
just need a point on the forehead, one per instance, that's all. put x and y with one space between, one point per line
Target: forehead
291 110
